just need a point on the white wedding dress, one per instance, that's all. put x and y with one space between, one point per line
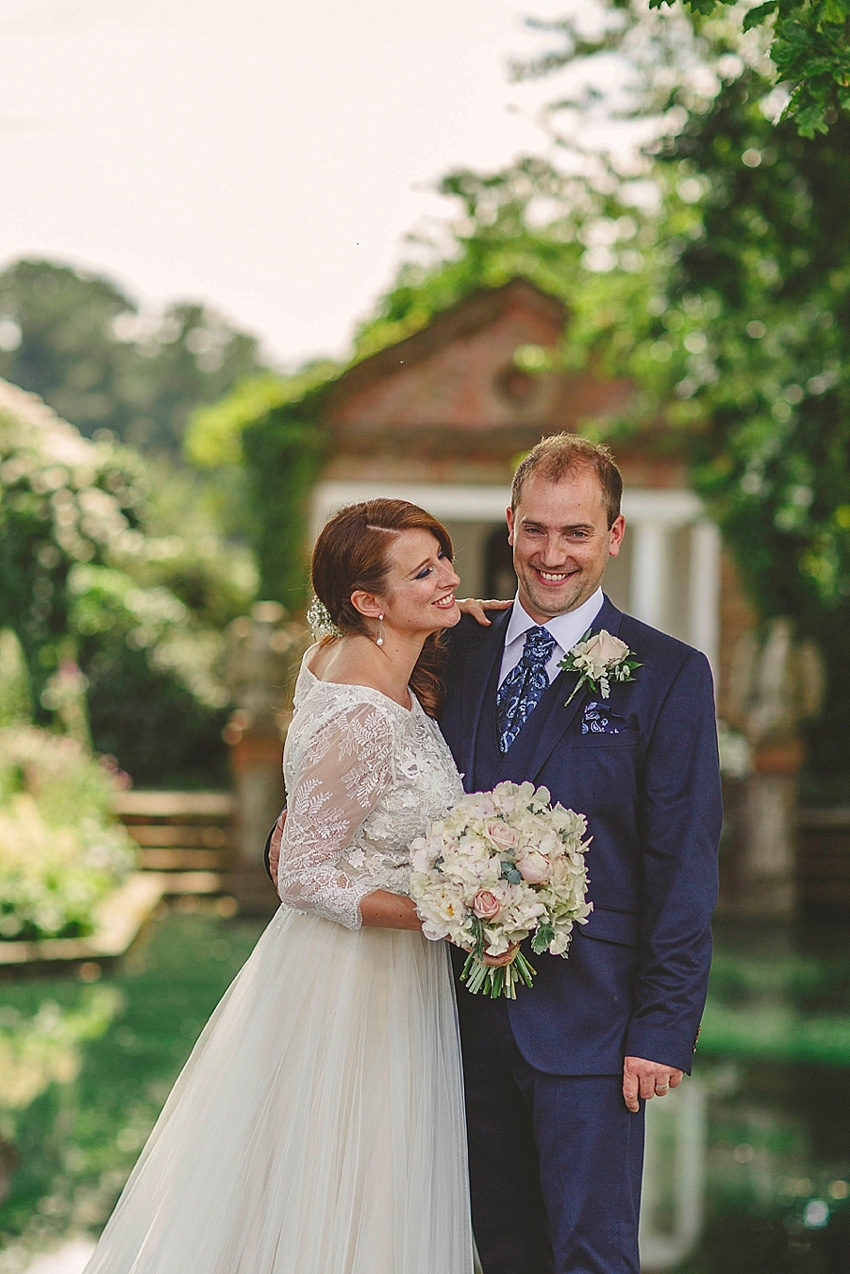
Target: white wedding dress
318 1125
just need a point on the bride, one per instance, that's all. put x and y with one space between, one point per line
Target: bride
318 1125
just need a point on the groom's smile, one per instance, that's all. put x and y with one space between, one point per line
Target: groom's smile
561 541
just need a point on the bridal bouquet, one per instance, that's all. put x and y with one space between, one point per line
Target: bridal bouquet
500 866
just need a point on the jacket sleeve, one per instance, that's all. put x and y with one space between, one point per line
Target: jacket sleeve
681 815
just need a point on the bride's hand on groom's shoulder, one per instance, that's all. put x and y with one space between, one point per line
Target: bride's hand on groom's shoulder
475 607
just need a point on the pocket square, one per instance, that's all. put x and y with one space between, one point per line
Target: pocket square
599 719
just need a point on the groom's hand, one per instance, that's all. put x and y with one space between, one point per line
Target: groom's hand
274 847
647 1079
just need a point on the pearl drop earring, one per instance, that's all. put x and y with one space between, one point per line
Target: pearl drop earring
379 640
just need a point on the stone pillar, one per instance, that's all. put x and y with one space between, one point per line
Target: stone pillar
776 684
704 591
264 654
650 571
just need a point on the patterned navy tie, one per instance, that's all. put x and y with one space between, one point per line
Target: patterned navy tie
522 689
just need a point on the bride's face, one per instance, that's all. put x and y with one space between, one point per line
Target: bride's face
419 595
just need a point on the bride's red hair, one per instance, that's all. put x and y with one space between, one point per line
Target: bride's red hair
351 554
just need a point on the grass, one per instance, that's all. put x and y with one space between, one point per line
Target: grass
104 1085
790 1008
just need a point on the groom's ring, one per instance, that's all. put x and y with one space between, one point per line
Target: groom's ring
661 1088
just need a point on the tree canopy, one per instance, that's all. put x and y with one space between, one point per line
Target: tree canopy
810 50
81 343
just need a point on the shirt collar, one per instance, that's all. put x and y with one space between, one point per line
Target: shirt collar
567 629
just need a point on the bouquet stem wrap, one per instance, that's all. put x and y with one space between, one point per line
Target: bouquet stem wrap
504 979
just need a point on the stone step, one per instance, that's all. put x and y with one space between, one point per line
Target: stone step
173 805
170 835
823 859
184 838
166 860
180 884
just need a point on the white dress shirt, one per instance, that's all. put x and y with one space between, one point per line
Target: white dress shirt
566 629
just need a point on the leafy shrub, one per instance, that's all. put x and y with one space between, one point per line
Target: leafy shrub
91 574
15 701
264 445
60 849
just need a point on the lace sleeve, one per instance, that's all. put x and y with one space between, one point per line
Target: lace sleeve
345 766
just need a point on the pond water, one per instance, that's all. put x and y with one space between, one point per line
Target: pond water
748 1163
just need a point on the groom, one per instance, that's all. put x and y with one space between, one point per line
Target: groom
556 1080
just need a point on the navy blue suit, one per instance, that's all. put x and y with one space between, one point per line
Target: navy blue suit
544 1073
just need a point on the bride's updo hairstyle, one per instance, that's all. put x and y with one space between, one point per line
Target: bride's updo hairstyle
351 553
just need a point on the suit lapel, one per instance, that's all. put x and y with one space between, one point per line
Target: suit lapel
553 717
477 670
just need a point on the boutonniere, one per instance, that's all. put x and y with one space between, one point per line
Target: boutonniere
599 660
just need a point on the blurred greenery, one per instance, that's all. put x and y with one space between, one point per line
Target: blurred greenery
810 50
263 445
81 343
806 45
108 1056
43 1048
789 1008
116 567
762 298
61 850
15 700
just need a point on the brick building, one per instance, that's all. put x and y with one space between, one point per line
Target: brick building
440 419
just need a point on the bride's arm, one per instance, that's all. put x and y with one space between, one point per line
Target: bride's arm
379 909
343 775
383 910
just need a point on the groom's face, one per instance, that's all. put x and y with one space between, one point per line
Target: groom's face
561 541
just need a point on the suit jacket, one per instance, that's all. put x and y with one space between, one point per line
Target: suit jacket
643 767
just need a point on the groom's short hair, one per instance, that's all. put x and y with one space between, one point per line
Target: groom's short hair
558 455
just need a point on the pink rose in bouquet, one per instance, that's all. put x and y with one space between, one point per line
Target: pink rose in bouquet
534 867
501 834
486 905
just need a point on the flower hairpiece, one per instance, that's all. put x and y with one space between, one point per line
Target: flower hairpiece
319 620
599 660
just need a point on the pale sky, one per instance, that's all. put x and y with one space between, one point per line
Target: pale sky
267 156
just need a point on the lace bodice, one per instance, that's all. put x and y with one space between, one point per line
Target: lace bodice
364 776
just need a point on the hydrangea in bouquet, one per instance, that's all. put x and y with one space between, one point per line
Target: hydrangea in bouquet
500 866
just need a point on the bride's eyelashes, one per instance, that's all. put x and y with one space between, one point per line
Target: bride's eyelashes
426 570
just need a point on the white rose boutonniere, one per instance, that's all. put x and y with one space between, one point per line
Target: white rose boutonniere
599 660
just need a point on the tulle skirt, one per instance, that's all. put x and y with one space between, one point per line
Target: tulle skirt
318 1125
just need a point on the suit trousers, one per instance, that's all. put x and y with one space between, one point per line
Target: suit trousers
555 1160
